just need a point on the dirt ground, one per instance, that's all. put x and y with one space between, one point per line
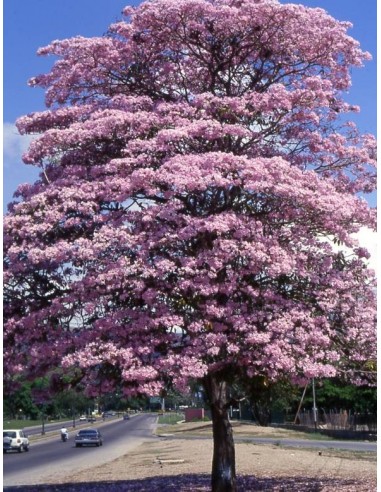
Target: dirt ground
183 463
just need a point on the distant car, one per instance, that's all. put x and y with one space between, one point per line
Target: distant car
108 414
126 416
82 418
15 440
91 419
87 437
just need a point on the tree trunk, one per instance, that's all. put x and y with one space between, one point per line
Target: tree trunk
262 414
223 467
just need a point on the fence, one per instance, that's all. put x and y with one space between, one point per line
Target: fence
342 420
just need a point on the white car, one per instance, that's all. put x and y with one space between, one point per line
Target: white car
83 418
15 440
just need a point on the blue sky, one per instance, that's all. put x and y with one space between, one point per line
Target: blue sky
30 24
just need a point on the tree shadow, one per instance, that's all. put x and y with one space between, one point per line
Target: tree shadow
201 483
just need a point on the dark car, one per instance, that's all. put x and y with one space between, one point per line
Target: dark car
126 416
87 437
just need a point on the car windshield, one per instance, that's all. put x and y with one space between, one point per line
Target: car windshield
87 433
9 434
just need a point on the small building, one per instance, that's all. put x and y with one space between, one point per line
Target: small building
194 414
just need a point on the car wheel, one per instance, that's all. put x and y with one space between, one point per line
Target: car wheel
4 451
20 449
26 448
77 445
101 443
97 444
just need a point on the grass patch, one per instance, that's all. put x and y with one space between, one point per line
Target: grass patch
162 450
315 436
21 424
306 436
205 429
345 454
171 418
350 455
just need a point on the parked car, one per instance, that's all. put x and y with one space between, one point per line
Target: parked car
82 418
126 416
87 437
15 440
108 414
91 419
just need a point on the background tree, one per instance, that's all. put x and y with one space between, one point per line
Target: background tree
19 403
266 397
335 394
195 174
70 403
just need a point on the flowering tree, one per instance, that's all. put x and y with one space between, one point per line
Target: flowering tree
196 178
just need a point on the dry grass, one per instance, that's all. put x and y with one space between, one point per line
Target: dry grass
183 465
323 470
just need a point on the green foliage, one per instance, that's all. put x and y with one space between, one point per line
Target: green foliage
335 394
30 399
70 402
266 397
20 403
115 401
21 424
171 418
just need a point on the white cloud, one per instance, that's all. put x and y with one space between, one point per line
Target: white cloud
14 144
368 239
15 171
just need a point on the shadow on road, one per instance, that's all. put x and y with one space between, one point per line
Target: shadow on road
201 483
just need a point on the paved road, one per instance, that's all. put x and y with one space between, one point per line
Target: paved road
36 430
302 443
52 457
310 443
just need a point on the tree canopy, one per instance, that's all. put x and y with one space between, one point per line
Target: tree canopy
197 177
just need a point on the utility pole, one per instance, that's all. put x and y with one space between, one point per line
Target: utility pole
43 422
314 410
300 404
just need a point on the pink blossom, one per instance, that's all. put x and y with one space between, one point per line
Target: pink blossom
197 197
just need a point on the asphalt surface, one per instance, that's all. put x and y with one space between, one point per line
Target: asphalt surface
295 443
307 443
50 456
